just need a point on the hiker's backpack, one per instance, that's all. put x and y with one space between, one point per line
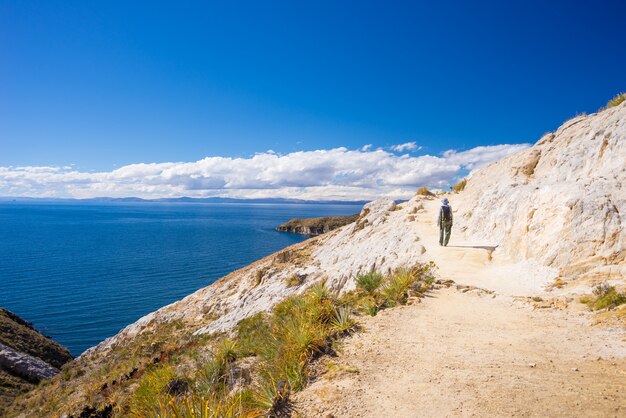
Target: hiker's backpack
446 213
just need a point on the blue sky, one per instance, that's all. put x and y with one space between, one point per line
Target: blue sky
95 86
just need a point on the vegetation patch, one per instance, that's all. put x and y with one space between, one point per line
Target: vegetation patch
375 291
615 101
460 186
250 372
294 280
604 297
423 191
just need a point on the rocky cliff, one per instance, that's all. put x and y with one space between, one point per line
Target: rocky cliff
561 202
316 226
556 209
26 357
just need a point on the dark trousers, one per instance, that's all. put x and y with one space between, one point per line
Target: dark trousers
445 228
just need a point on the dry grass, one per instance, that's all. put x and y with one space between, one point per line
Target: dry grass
460 186
423 191
294 280
615 101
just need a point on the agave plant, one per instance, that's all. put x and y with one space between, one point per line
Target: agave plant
369 281
319 291
343 322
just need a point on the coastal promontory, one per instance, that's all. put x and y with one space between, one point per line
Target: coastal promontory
316 226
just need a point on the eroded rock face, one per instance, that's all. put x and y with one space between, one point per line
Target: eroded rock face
25 366
561 202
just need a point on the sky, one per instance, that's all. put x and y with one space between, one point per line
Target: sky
318 100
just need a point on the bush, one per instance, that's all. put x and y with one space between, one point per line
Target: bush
423 191
460 186
369 281
396 286
343 322
387 291
605 297
615 101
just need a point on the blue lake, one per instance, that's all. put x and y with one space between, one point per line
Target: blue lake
81 272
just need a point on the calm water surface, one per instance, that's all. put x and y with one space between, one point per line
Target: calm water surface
81 272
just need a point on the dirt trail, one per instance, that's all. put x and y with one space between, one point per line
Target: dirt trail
473 353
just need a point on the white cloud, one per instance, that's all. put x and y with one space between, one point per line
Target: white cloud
337 173
407 146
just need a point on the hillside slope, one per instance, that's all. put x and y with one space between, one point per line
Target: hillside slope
555 210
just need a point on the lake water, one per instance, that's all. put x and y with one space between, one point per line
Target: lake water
81 272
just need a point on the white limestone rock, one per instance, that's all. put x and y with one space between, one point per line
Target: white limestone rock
561 202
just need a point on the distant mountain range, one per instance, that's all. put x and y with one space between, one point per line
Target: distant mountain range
182 200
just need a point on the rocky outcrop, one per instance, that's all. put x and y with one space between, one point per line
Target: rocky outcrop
316 226
561 202
26 357
25 366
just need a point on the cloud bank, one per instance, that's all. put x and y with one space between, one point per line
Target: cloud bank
337 173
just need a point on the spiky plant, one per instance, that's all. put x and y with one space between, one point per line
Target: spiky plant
319 292
342 322
369 282
397 285
226 350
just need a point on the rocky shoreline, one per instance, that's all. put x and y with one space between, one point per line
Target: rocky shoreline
316 226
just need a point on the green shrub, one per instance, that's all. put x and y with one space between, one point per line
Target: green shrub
369 281
151 390
227 350
251 332
207 406
396 286
319 292
214 376
342 322
605 297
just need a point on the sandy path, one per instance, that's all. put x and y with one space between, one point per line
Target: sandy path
469 262
473 353
467 354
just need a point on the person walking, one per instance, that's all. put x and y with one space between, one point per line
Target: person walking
444 221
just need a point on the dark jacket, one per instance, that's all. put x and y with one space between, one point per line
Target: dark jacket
440 217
